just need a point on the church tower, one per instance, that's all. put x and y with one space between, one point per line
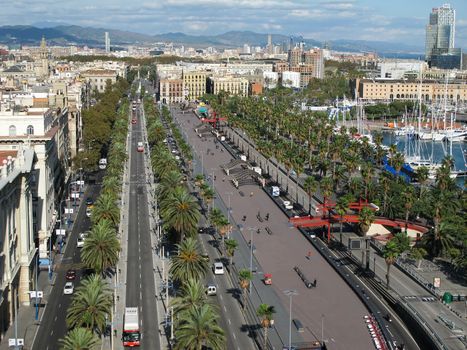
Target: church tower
44 59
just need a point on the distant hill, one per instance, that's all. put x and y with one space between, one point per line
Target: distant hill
71 34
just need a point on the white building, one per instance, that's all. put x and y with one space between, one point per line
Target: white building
291 79
17 249
46 132
270 79
400 69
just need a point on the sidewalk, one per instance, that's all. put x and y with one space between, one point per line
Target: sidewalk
27 325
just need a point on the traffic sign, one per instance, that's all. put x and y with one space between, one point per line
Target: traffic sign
15 342
32 294
60 232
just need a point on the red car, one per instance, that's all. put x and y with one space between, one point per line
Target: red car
70 275
133 121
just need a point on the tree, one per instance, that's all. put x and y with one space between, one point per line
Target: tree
341 208
192 295
365 219
180 212
105 208
265 312
390 254
198 329
418 254
245 276
101 247
310 186
188 263
80 339
90 305
231 245
409 198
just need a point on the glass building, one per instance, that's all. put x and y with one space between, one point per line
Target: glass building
440 31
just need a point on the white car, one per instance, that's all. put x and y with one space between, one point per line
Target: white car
218 268
80 242
69 288
88 212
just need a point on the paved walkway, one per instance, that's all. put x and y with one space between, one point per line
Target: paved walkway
27 325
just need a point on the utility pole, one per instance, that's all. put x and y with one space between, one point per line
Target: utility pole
290 293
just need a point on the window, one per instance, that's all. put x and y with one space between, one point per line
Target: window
12 130
30 130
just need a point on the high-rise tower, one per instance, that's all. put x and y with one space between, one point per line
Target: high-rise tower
440 31
107 42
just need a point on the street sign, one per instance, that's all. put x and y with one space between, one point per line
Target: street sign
75 195
15 342
32 294
60 232
68 210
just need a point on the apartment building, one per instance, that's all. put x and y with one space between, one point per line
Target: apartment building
171 90
231 85
431 91
98 78
194 84
17 248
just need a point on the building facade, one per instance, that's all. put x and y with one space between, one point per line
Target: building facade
171 90
440 31
194 84
231 85
98 78
17 248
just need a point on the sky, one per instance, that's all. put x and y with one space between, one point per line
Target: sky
381 20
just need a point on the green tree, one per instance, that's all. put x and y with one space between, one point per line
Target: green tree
409 198
101 247
365 219
245 276
342 205
231 246
390 254
265 312
106 208
418 254
310 186
180 212
80 339
188 263
192 295
91 304
198 329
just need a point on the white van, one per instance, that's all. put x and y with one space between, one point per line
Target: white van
218 268
211 289
287 205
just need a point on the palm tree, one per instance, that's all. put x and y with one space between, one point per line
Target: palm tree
230 246
193 295
245 276
409 198
80 339
91 304
106 208
188 263
310 186
418 254
390 254
168 183
180 211
101 247
397 161
365 219
341 208
111 185
198 329
265 312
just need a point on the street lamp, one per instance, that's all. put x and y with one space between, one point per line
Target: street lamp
251 229
228 211
290 293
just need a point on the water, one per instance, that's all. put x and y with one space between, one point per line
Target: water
430 150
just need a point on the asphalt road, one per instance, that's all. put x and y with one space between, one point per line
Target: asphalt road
331 309
53 326
140 290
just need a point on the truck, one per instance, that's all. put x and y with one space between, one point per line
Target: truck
131 334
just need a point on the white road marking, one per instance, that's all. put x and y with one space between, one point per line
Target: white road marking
225 309
228 320
52 333
55 318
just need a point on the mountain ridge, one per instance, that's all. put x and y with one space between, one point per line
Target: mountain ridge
72 34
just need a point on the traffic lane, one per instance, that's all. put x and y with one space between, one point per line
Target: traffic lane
150 321
286 248
231 319
53 325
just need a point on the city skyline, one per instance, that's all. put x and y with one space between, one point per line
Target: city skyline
399 21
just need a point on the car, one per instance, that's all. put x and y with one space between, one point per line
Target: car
69 288
89 201
218 268
80 242
211 289
205 257
70 275
140 147
133 121
88 212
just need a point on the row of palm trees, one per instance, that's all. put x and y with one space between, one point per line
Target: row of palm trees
92 302
194 315
345 170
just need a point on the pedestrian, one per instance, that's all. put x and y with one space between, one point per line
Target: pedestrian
314 282
244 218
267 216
223 179
251 194
258 231
308 256
215 177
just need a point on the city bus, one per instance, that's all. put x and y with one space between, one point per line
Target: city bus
131 333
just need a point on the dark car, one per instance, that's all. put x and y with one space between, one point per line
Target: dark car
70 275
89 201
133 121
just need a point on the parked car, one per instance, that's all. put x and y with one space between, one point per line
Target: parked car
70 275
89 201
205 257
218 268
88 212
211 289
80 242
133 121
69 288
